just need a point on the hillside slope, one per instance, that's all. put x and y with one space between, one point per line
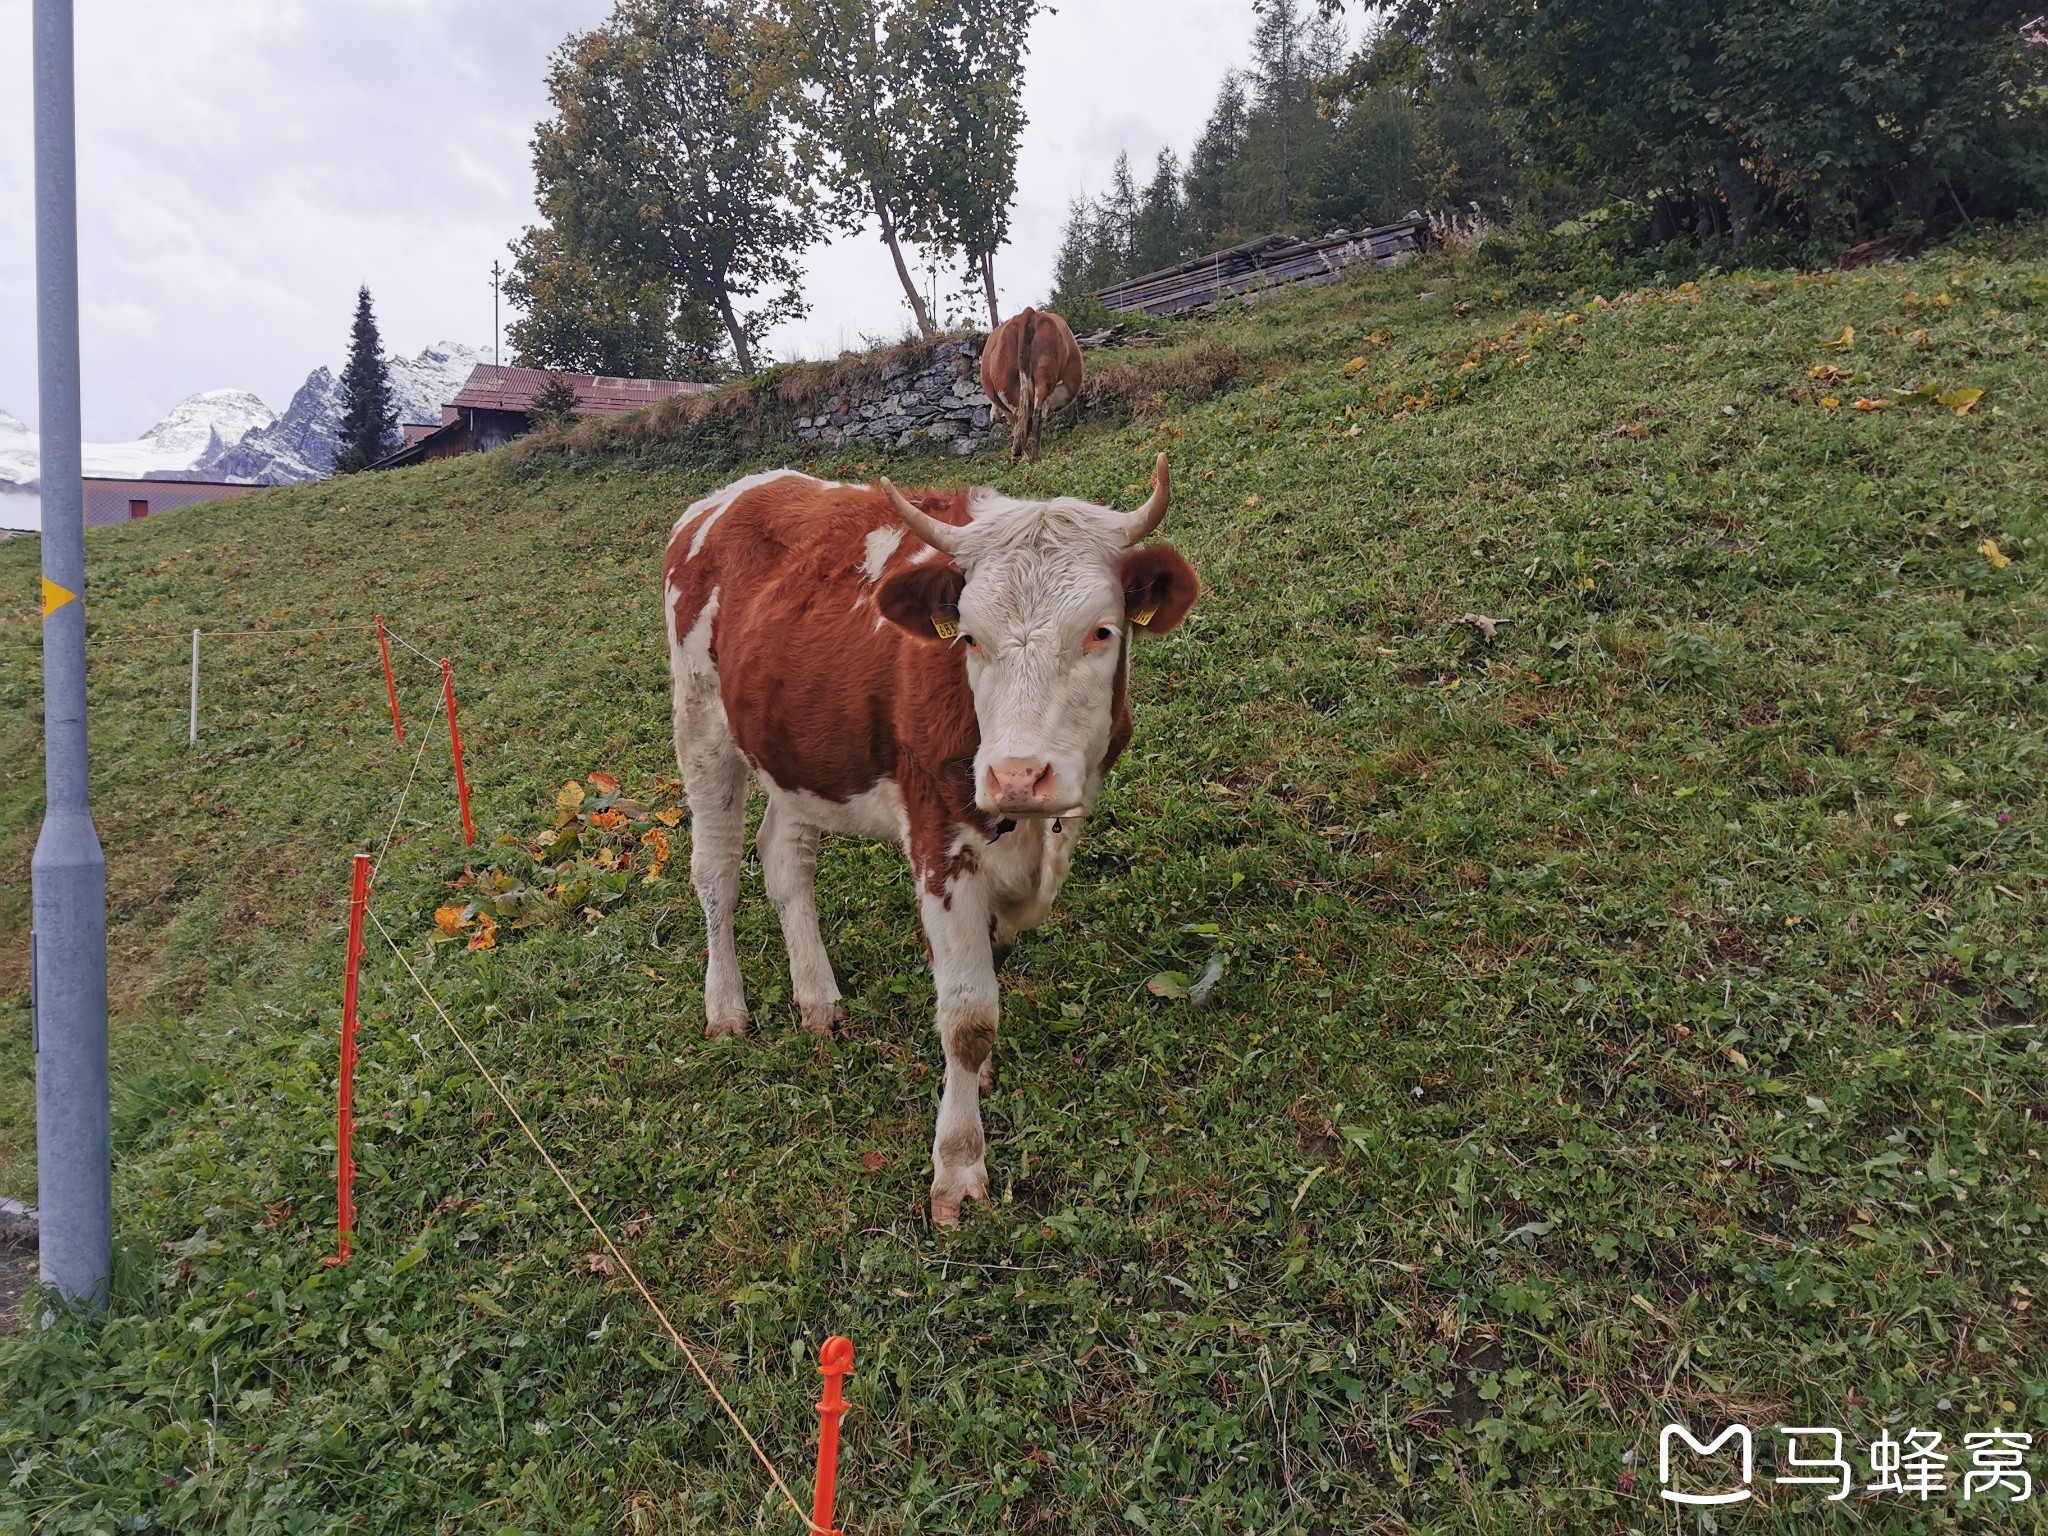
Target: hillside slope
1631 1017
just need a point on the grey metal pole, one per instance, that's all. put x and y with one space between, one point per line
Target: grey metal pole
68 876
195 688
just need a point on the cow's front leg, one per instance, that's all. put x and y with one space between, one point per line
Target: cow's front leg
715 781
789 868
964 976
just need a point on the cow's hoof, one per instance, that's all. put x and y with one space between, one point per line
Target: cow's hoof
820 1017
719 1028
946 1206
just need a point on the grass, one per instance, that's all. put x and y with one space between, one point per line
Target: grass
1633 1018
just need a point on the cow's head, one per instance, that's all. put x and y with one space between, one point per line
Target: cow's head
1043 598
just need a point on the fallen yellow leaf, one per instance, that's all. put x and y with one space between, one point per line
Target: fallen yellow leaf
671 817
1868 404
486 935
1829 402
449 920
1962 401
1843 342
569 797
1990 551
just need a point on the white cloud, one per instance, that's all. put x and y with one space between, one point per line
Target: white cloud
244 164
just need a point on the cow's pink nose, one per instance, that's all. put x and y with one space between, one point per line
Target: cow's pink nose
1020 784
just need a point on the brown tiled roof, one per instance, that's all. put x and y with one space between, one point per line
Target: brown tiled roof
492 388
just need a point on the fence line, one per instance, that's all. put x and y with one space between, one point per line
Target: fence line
810 1521
426 740
330 629
604 1236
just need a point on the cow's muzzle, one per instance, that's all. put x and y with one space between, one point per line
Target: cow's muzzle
1021 786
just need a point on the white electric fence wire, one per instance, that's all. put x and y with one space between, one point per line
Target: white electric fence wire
426 740
605 1237
331 629
400 639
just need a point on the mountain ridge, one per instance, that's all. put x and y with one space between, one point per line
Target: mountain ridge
232 434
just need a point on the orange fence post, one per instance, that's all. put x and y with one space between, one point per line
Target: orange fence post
345 1113
390 682
835 1360
455 741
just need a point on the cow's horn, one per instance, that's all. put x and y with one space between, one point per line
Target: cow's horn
939 535
1138 524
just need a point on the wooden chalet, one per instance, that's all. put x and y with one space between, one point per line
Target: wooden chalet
495 403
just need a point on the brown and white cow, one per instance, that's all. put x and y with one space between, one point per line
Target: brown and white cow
1030 368
947 670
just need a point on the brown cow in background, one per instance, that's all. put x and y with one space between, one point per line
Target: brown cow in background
1029 369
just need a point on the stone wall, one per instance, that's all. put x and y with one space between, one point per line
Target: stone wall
941 401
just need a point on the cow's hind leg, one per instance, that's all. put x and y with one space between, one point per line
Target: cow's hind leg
964 975
789 867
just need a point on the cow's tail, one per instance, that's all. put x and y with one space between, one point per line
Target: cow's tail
1027 407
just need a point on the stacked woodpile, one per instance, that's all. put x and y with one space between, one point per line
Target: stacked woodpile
1119 335
1271 261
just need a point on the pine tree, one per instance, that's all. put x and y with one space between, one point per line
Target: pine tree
1161 236
369 416
1209 167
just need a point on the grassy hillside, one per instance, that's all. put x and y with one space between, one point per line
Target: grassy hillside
1635 1016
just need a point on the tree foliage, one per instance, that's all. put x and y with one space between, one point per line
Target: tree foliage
586 318
863 104
369 415
1300 141
969 57
1737 118
555 403
1716 120
665 173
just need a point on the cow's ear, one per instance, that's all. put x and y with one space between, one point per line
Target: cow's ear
1159 588
924 600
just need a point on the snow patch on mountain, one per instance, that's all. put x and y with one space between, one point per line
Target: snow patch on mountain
301 444
195 426
230 434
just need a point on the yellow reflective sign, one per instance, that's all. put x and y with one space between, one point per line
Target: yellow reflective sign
55 597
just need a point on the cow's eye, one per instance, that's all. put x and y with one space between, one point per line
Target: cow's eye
968 641
1105 634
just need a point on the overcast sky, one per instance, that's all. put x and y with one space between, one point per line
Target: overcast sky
244 164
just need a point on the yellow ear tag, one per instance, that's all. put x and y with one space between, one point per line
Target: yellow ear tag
945 628
1145 616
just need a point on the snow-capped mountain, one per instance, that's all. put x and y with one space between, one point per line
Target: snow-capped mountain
196 426
301 444
18 451
229 434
